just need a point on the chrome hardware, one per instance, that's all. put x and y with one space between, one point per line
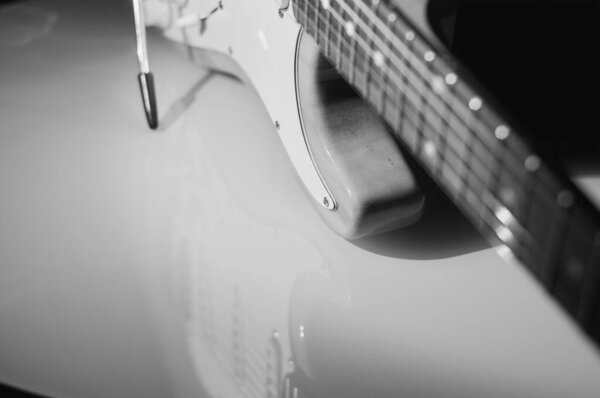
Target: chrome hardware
196 19
283 5
145 77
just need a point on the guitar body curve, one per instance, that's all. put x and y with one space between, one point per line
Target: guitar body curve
178 264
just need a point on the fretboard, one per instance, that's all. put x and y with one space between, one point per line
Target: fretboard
505 188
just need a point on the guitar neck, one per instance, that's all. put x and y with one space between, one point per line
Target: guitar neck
507 190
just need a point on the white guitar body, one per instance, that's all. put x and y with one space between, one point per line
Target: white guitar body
250 294
314 315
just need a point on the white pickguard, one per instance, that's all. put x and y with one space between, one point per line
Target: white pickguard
266 52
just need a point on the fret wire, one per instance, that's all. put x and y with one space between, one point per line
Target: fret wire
328 38
368 58
384 64
403 90
553 247
423 96
445 127
564 275
306 5
353 53
316 21
533 205
469 148
582 240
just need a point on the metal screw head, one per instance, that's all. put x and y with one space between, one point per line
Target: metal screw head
281 14
326 201
277 125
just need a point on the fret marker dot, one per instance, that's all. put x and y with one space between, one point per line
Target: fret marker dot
532 163
429 56
378 59
508 195
475 103
565 199
429 149
502 132
437 83
350 28
410 35
451 79
391 18
326 4
575 269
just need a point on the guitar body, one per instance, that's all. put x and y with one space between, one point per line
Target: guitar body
217 269
340 319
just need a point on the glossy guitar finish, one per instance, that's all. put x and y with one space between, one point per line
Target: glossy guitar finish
190 263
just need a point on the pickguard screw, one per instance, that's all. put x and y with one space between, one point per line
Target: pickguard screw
326 201
277 125
280 13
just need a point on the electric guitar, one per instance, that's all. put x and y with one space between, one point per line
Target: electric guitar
317 63
188 261
389 53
